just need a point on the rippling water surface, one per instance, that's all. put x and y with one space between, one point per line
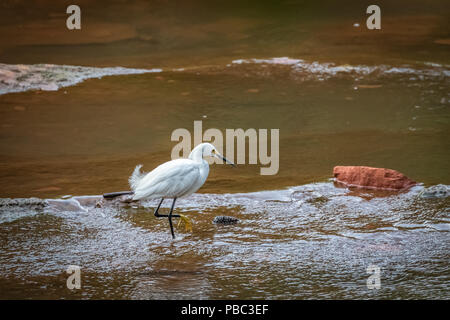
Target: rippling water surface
311 241
339 93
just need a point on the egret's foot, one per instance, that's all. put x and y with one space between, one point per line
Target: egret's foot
187 222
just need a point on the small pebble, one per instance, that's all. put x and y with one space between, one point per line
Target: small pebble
225 220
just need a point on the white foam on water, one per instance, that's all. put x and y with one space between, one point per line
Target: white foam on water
50 77
280 60
328 69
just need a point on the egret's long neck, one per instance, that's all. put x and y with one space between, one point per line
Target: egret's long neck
196 154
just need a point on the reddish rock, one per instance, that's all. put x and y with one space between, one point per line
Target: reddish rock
373 178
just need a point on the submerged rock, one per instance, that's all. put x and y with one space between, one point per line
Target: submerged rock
374 178
225 220
65 205
88 201
437 191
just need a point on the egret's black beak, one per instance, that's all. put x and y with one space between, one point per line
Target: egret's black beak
225 159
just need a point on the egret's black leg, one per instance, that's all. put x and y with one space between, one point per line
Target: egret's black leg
159 205
170 217
158 215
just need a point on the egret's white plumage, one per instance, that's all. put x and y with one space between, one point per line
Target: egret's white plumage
176 178
173 179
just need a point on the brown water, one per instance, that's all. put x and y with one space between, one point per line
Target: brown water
86 139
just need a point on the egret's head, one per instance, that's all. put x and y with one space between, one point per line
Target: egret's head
208 150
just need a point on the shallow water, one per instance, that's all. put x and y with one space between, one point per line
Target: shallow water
310 241
340 95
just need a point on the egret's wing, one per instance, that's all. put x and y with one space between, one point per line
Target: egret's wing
179 185
168 180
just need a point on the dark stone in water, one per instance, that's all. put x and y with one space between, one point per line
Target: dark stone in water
225 220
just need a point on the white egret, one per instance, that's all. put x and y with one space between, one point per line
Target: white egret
173 179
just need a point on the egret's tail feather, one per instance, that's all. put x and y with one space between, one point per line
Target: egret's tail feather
136 177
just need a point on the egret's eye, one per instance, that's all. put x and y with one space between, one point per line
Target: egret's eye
213 151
